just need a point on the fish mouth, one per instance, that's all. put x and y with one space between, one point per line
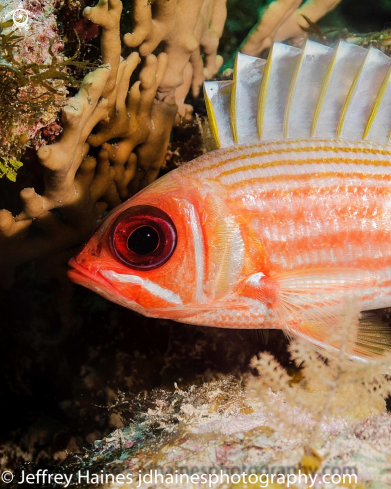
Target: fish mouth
93 281
100 285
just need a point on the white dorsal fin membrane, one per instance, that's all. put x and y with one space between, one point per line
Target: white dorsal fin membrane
305 90
362 96
218 105
316 92
248 74
379 122
273 95
341 72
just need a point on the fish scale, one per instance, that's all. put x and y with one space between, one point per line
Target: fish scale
285 222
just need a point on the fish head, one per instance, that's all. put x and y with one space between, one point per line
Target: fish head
143 254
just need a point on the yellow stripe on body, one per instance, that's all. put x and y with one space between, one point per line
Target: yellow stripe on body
307 161
238 153
250 174
330 156
288 182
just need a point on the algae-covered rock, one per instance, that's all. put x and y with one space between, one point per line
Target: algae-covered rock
330 419
218 430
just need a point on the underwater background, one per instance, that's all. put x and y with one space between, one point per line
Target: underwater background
67 354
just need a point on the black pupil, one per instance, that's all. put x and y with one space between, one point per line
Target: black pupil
143 240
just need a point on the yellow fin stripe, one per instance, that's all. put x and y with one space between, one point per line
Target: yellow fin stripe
212 119
377 103
350 96
263 93
233 103
290 94
323 91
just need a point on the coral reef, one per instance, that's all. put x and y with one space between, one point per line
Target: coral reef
284 19
74 180
216 427
184 31
33 78
133 128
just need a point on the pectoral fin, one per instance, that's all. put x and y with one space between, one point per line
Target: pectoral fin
312 303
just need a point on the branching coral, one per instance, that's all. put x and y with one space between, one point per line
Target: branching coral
78 186
183 30
130 129
284 19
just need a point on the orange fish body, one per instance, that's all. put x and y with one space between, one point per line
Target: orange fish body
273 234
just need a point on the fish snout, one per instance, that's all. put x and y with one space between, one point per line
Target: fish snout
88 263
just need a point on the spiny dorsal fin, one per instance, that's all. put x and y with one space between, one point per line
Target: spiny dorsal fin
218 102
340 74
362 96
378 125
301 104
315 92
274 90
248 75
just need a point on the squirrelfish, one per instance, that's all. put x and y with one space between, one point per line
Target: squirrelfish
277 227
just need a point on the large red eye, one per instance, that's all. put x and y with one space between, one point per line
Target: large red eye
143 237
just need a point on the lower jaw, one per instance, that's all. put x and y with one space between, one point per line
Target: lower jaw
97 283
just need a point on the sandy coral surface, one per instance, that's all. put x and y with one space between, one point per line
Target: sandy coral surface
218 428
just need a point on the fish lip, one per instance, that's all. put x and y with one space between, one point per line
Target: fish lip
100 285
82 276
